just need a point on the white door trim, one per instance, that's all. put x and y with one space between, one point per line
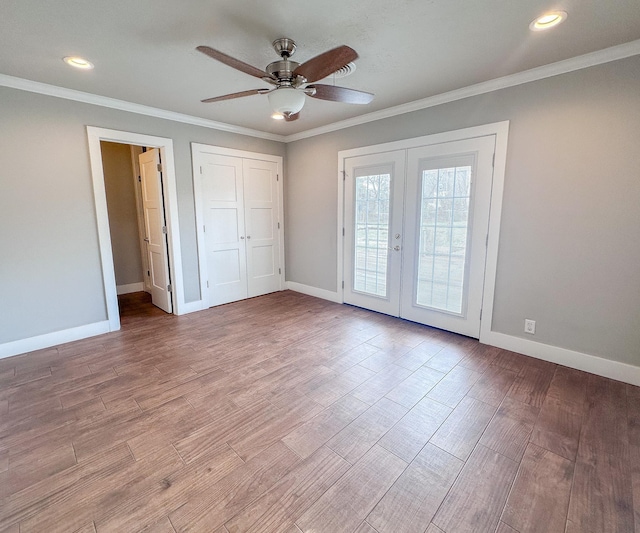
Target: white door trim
95 135
196 150
501 132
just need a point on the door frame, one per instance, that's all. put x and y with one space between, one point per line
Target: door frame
501 132
197 148
94 136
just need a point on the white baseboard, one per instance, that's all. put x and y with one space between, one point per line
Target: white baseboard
191 307
131 287
53 339
314 291
578 360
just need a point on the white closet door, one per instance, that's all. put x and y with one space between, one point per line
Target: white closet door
261 222
374 186
224 228
446 225
155 229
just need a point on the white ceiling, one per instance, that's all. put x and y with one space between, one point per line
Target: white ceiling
144 50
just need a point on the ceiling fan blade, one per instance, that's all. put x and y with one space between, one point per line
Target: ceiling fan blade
340 94
321 66
234 95
233 62
292 117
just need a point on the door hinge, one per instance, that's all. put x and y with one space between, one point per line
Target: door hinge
164 229
344 175
200 169
139 179
343 284
148 273
159 167
169 287
278 225
480 314
277 177
279 271
207 284
204 228
493 161
343 232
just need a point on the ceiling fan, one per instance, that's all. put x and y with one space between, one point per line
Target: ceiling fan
292 81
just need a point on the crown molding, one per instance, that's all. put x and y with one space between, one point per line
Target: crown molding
122 105
592 59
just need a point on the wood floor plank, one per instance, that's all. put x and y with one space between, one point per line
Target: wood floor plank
558 427
173 491
493 386
279 507
510 430
504 528
62 487
119 487
314 433
129 430
539 499
418 356
476 499
410 391
531 385
376 387
360 435
346 504
412 432
222 500
414 498
460 432
451 389
341 385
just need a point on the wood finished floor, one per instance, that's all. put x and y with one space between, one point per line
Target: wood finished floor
286 413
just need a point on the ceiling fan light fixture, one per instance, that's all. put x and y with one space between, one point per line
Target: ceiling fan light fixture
286 101
78 62
277 116
548 20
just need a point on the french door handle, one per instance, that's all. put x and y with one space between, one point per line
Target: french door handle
146 239
396 248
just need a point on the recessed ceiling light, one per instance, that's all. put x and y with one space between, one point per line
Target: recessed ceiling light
548 20
78 62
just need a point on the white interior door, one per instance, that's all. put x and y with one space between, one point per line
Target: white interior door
447 205
374 188
155 228
261 224
224 228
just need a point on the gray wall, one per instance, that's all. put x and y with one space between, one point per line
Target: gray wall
123 214
570 237
50 274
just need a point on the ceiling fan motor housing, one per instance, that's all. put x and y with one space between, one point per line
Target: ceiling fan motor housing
282 70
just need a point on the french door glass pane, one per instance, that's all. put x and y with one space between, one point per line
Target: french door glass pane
372 197
444 219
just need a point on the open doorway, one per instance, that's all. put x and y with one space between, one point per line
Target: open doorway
135 205
165 190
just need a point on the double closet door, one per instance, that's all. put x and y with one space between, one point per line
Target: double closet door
416 226
240 225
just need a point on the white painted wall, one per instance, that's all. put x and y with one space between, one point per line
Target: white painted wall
569 254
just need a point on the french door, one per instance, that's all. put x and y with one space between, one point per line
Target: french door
416 224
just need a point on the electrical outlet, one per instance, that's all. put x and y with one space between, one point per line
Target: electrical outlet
530 326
